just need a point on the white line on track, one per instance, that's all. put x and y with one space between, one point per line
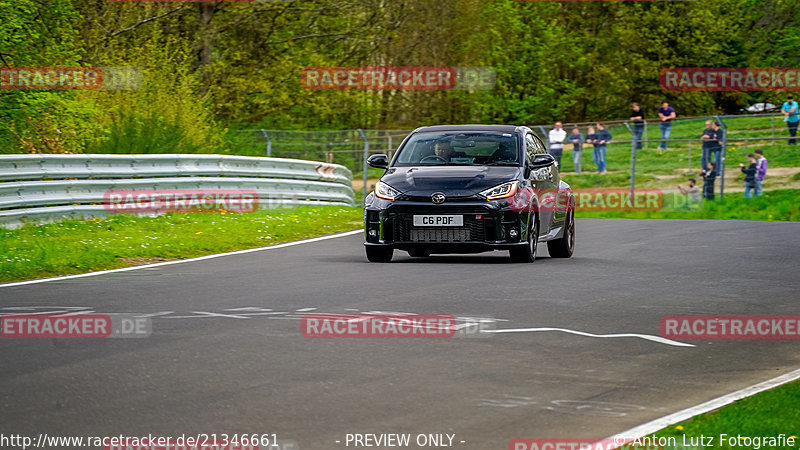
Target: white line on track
648 337
658 424
168 263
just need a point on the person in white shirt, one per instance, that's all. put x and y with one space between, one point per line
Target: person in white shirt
556 139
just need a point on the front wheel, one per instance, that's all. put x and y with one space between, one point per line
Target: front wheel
379 254
527 253
563 248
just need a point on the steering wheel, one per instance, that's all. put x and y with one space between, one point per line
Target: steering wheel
433 158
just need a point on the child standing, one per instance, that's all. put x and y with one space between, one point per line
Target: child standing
709 176
761 171
749 175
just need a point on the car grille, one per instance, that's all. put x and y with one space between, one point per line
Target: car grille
440 235
403 229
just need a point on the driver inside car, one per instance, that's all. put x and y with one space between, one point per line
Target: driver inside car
443 150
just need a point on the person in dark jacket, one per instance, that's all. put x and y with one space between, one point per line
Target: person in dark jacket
749 175
709 177
600 141
709 140
576 139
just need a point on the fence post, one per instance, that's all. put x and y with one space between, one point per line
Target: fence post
269 142
689 146
633 160
722 160
773 125
546 138
366 156
645 133
391 149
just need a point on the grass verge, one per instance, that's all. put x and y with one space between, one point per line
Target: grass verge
123 240
778 205
767 414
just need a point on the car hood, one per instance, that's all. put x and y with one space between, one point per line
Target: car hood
454 181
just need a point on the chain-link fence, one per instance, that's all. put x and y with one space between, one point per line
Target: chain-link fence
684 146
350 148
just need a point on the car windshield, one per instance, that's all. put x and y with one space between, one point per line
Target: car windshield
460 149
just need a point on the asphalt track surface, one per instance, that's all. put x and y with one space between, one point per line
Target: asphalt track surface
227 355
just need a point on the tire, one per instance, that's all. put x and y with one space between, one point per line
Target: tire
564 247
379 254
527 254
419 253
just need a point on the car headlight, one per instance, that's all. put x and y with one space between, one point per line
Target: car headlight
501 191
385 192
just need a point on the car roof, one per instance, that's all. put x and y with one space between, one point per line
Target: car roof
496 128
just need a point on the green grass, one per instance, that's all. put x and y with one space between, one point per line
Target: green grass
779 205
769 413
81 246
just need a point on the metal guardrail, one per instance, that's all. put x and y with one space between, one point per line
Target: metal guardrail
46 188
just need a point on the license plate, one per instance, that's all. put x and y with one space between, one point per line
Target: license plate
438 221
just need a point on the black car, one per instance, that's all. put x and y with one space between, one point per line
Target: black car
469 189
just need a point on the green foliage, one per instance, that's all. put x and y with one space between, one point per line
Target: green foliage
41 33
167 114
208 66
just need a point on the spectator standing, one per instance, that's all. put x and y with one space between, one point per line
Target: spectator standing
791 111
637 117
692 192
602 137
709 138
576 139
667 114
749 175
591 137
709 177
761 171
717 145
556 139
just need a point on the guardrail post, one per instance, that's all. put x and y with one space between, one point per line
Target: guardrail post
366 156
269 142
722 159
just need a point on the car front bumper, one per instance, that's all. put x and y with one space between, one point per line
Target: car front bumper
487 226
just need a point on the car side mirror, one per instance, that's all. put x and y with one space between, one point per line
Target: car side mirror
539 161
378 161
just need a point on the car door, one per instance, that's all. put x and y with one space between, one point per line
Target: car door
561 195
543 181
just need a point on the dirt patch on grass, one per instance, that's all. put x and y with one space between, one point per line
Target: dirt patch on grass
142 260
